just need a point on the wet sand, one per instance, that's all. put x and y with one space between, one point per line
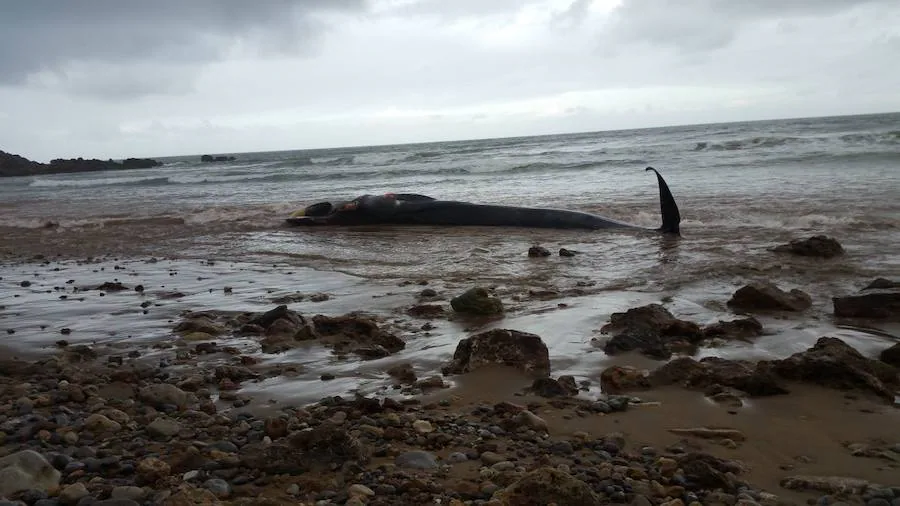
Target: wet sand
803 433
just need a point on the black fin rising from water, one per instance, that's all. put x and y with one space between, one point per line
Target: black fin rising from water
671 218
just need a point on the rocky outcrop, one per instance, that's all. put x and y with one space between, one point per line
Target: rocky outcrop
879 300
211 159
833 363
830 363
281 329
765 296
522 350
477 301
816 246
15 165
651 329
755 379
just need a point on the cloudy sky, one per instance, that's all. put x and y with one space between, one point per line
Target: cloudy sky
118 78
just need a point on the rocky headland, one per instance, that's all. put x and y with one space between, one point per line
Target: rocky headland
15 165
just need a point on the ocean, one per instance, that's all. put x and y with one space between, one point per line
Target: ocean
741 188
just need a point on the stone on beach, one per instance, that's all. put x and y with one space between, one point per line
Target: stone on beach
816 246
26 470
766 296
879 300
477 301
547 485
650 329
521 350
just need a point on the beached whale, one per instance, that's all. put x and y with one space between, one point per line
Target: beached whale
415 209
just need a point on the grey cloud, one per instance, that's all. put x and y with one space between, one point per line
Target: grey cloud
46 35
704 25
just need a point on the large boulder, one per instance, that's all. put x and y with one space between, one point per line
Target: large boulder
477 301
816 246
833 363
765 296
879 300
650 329
26 470
547 485
522 350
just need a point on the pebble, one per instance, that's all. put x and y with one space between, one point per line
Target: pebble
416 460
358 489
71 494
219 487
422 426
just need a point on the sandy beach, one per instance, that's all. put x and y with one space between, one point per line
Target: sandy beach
173 381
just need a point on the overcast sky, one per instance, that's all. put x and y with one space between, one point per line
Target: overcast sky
118 78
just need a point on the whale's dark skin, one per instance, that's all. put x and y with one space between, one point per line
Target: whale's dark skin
414 209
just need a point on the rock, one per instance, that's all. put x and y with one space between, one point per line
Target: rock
522 350
426 311
882 284
741 328
200 323
549 387
422 426
754 379
26 470
356 334
73 493
547 485
99 423
706 471
618 379
219 487
827 484
833 363
189 495
765 296
530 420
563 252
321 448
159 395
891 355
538 251
163 428
151 469
816 246
359 490
416 460
213 159
880 300
127 493
649 329
477 301
403 373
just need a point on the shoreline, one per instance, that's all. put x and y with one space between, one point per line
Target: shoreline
210 424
